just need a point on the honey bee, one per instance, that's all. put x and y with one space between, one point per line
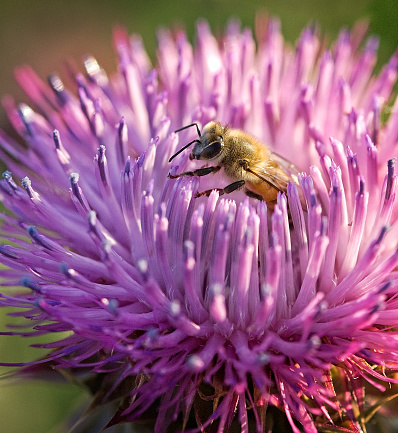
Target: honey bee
250 164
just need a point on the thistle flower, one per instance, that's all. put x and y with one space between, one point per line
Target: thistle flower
212 309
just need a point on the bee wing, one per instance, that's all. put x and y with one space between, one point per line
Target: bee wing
278 172
287 166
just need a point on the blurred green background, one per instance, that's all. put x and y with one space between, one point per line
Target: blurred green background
45 33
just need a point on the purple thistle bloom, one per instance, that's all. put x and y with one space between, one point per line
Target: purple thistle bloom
212 306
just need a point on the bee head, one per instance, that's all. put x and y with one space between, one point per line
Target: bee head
211 142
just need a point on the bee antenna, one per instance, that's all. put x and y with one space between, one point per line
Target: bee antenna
189 126
183 148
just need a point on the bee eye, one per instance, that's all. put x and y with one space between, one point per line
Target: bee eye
211 151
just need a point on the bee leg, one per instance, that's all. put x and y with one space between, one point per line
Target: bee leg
199 172
253 195
227 190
